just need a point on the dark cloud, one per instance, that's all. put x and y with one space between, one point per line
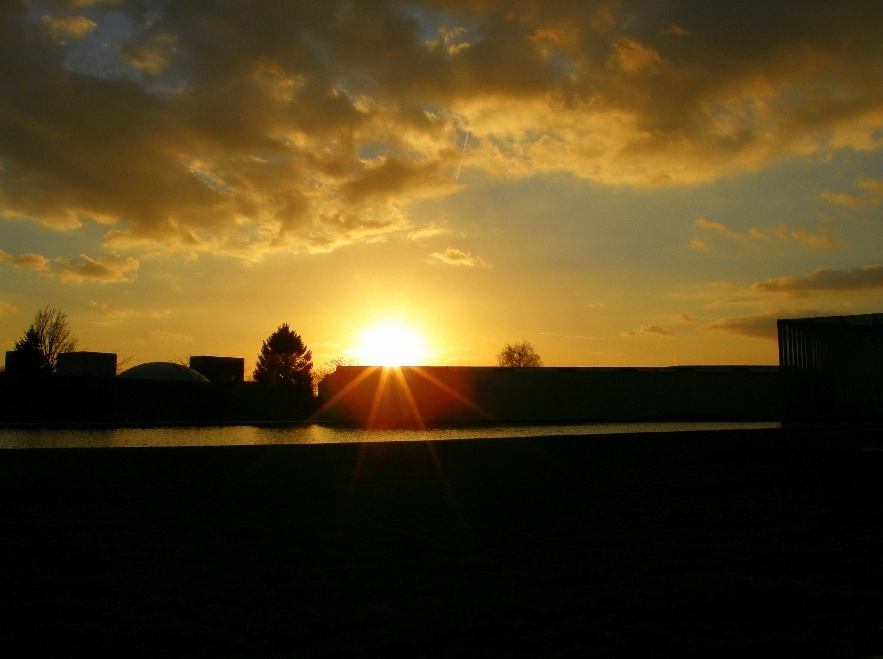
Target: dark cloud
754 327
107 269
759 327
825 280
248 126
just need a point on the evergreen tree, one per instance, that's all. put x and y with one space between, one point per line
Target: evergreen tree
285 360
29 357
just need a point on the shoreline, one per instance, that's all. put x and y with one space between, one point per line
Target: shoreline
322 433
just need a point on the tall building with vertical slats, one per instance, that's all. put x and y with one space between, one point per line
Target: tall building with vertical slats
832 367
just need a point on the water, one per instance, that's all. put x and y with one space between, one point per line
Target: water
321 434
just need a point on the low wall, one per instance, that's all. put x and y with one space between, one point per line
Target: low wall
411 396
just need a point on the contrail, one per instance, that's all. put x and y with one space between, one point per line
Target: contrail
461 156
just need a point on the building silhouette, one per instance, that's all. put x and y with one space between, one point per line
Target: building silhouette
219 369
832 367
87 364
410 396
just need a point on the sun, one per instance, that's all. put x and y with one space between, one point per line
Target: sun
391 343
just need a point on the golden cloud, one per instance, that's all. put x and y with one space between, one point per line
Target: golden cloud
652 330
873 194
67 27
310 126
822 239
454 256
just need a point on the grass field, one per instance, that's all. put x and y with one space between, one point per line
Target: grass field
760 543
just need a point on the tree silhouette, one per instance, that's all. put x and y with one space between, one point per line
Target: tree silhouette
29 357
47 337
519 354
285 359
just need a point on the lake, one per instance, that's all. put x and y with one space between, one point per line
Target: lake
323 434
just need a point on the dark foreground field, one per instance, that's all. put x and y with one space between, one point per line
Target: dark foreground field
743 544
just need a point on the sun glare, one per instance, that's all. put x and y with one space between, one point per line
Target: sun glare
391 343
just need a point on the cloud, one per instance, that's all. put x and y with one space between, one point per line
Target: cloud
112 315
67 27
33 262
429 231
652 330
6 308
825 280
716 226
684 318
454 256
106 269
872 188
847 199
871 185
151 57
307 126
820 240
631 57
759 327
701 245
173 336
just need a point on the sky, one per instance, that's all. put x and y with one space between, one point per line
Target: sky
622 183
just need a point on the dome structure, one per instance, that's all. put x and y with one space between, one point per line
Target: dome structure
166 371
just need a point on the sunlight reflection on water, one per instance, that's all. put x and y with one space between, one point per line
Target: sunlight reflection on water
321 434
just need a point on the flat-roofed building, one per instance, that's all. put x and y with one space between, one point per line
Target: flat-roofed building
378 397
832 366
88 364
219 369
